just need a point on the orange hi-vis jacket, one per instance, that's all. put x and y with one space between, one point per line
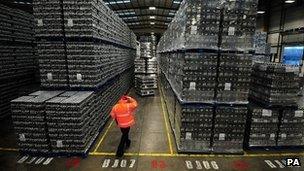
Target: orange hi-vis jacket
123 112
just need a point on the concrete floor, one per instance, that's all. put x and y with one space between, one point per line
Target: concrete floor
150 150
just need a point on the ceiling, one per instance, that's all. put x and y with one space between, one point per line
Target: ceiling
143 16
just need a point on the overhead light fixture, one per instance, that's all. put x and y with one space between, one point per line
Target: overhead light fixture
152 17
261 12
177 2
152 8
289 1
152 23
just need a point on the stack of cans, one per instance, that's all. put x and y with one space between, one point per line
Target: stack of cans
262 126
239 25
81 44
234 78
261 47
146 67
87 51
70 120
275 119
145 85
291 128
205 56
194 127
275 84
29 120
65 122
229 129
196 25
18 61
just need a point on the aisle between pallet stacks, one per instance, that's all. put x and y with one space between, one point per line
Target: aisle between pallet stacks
152 148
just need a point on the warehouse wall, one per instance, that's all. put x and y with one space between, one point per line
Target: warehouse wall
294 19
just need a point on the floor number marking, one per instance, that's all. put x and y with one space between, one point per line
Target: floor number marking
198 165
117 163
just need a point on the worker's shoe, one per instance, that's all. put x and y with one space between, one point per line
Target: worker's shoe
128 144
119 154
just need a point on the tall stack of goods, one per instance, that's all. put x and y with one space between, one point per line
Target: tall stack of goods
146 67
18 61
262 48
276 116
87 52
206 58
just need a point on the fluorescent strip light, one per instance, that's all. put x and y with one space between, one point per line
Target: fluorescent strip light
152 8
289 1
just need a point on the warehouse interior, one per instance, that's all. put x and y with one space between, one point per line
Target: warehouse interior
218 83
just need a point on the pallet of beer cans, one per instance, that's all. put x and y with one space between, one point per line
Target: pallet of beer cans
275 84
18 62
229 129
206 58
65 122
29 121
291 128
262 126
81 44
145 85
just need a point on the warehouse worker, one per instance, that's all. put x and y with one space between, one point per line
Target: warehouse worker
123 114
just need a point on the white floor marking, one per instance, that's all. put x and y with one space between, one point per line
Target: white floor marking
106 163
133 161
115 164
280 164
270 164
39 160
23 159
189 164
48 161
198 165
123 163
32 160
214 165
206 165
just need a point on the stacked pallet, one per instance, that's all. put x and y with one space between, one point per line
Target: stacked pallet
205 57
261 47
146 84
18 63
65 122
93 43
146 67
275 119
263 127
275 84
87 51
291 128
29 120
229 129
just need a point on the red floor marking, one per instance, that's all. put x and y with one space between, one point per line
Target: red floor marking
240 165
158 164
72 163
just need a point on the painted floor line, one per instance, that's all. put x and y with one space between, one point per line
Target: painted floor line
166 122
9 149
197 155
103 136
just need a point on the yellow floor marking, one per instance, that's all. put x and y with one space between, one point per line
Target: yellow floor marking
198 155
165 114
9 149
104 135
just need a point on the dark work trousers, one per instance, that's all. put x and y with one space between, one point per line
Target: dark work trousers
124 140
